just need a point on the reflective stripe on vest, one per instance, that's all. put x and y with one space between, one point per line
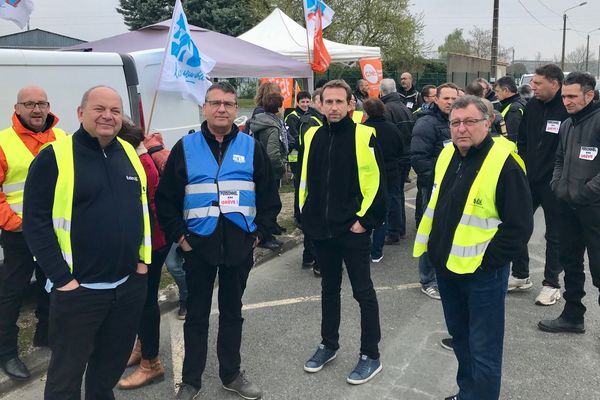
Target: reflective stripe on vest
505 111
357 116
18 159
293 156
63 198
368 170
479 221
292 113
213 190
318 123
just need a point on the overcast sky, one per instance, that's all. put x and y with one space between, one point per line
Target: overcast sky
95 19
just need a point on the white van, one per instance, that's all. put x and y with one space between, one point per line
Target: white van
173 116
66 76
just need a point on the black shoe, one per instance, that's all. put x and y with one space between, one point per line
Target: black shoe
447 343
308 264
392 239
187 392
269 244
182 312
455 397
560 325
15 369
317 271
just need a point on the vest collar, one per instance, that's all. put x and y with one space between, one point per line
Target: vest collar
475 150
343 125
210 137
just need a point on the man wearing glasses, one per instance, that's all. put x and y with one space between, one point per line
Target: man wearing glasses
478 218
33 125
217 198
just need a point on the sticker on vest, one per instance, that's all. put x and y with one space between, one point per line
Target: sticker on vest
239 159
409 104
552 126
230 198
588 153
447 142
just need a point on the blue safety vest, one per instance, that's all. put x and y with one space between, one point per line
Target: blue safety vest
213 190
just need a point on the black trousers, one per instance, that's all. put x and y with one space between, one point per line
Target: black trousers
579 231
15 278
354 250
200 278
149 329
541 195
93 328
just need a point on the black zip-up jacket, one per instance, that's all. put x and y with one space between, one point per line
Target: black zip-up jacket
410 96
228 245
292 122
107 225
513 201
513 116
430 133
576 177
397 113
536 146
334 195
391 144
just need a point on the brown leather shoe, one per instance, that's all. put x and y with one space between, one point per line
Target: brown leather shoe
149 371
136 354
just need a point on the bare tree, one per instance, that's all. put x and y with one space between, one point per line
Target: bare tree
576 59
481 42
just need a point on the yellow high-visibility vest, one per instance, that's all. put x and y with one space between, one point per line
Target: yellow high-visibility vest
18 159
368 170
63 198
480 220
357 116
317 122
505 110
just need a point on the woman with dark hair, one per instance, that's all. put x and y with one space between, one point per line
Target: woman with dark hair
268 128
390 140
145 351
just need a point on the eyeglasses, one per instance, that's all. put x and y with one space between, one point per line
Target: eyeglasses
467 122
229 105
30 105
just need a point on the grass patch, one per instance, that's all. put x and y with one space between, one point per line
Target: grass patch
165 279
246 103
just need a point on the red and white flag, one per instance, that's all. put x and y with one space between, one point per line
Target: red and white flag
17 11
321 57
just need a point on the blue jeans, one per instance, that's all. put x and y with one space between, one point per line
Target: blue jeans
474 312
393 218
174 264
427 275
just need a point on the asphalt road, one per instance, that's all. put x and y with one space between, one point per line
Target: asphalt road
282 330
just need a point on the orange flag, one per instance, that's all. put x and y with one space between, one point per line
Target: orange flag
321 57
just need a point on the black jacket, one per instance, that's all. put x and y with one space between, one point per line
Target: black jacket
512 118
576 177
334 195
228 245
292 121
411 98
397 113
107 224
536 146
513 201
430 133
391 143
493 98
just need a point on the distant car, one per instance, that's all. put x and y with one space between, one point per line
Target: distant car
526 79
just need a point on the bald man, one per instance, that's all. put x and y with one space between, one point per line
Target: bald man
33 125
410 97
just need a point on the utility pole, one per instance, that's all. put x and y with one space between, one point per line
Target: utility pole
562 59
587 52
494 60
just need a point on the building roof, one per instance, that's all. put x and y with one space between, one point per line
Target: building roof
37 39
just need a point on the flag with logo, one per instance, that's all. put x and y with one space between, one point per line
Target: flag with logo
311 11
17 11
321 57
185 69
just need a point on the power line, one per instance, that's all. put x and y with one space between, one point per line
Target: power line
535 18
548 8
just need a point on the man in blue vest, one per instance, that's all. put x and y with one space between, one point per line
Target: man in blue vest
217 198
478 218
342 198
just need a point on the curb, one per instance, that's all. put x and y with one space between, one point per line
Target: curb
168 299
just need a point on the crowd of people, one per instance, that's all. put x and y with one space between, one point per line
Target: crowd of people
485 159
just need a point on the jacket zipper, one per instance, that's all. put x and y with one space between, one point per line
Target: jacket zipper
329 234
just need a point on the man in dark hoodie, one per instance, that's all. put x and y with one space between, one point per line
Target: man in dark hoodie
576 183
537 142
342 198
431 134
409 95
398 114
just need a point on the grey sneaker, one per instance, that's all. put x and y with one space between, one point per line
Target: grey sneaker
432 292
244 387
321 357
364 371
519 283
186 392
548 296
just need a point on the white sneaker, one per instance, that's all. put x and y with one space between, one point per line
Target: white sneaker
548 296
519 284
376 260
432 292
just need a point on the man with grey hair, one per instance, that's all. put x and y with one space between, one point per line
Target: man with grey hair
86 222
397 113
476 220
410 97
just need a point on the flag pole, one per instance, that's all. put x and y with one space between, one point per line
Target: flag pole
152 110
306 27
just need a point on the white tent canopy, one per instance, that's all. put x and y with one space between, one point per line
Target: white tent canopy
281 34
